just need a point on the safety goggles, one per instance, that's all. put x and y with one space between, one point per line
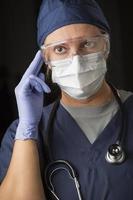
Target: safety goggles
77 46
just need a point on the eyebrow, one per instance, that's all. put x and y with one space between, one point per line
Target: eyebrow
70 39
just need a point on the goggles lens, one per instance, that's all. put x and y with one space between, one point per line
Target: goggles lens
78 46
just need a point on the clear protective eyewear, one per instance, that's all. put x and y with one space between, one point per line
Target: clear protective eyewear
77 46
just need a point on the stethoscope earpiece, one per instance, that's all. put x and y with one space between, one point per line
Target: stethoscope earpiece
115 154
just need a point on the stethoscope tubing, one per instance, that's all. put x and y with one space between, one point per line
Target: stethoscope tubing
67 167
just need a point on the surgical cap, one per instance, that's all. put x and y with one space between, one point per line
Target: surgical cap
55 14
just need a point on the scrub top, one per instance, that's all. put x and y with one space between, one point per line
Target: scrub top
98 179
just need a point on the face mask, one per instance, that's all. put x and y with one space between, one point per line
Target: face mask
80 77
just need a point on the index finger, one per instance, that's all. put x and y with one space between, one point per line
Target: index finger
34 67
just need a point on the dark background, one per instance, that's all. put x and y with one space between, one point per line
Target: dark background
18 47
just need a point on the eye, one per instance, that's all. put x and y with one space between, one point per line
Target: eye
89 44
60 50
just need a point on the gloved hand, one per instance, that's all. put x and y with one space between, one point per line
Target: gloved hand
29 96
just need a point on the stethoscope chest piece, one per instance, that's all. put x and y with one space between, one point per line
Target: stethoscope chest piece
115 154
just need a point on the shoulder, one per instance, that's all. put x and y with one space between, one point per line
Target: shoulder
10 133
125 95
127 100
6 148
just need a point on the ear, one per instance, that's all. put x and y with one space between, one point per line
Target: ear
107 49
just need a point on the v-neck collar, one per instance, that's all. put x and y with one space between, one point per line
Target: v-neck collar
107 137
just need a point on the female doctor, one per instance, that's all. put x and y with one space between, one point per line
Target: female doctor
79 147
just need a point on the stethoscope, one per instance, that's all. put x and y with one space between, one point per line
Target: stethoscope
53 168
115 152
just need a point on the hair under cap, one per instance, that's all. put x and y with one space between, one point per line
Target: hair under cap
54 14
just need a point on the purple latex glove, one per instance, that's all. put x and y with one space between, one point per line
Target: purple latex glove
29 95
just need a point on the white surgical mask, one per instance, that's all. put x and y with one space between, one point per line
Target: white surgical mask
80 77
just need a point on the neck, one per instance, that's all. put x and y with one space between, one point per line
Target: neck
101 97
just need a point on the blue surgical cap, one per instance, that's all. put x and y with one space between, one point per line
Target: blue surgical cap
55 14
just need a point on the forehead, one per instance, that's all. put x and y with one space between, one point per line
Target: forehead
72 31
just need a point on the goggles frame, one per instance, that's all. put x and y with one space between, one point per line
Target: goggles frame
105 36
